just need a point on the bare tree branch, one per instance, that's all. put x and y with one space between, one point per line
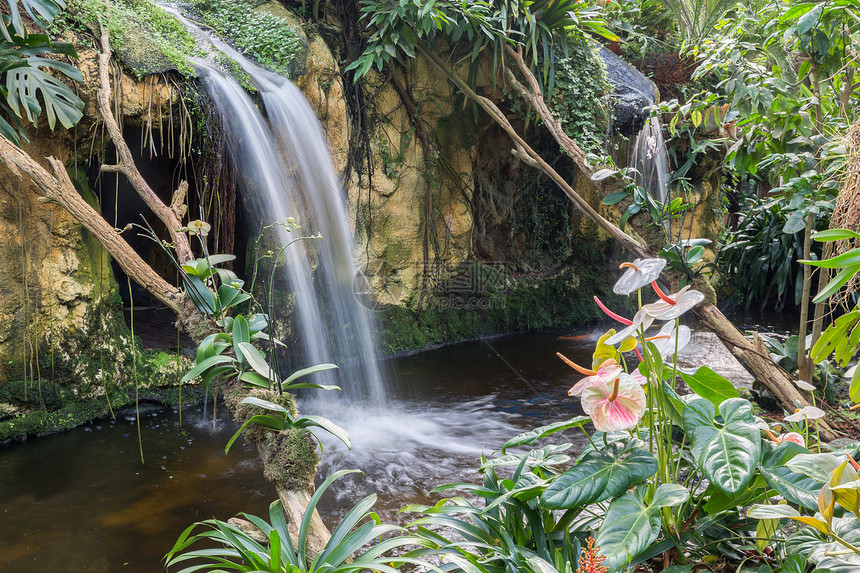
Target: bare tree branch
58 187
126 164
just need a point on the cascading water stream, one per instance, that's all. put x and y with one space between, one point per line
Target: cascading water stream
650 159
403 444
286 171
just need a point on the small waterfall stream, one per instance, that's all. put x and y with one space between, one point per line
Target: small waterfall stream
650 159
403 443
286 171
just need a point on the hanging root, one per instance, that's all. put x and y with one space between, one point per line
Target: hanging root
846 214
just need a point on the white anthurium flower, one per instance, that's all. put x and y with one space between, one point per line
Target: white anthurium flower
807 412
639 273
805 385
641 321
671 306
665 340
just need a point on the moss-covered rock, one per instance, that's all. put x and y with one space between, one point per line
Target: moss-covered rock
476 300
143 36
266 31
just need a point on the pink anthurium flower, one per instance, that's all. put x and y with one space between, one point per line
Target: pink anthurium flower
671 306
616 406
789 437
605 374
639 273
641 321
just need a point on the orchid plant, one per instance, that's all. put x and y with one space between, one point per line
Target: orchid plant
666 470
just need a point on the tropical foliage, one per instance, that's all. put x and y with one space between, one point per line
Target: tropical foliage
27 87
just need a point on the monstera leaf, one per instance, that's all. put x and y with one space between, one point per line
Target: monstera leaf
61 104
25 86
42 12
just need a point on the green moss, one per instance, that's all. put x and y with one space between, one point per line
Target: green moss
578 98
93 258
264 36
145 37
290 460
500 303
72 412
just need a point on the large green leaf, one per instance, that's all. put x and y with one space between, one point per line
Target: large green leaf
201 367
288 383
42 12
727 451
325 424
61 103
257 360
550 455
241 333
599 475
710 385
632 524
793 486
829 555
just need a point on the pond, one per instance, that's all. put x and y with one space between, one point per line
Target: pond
83 501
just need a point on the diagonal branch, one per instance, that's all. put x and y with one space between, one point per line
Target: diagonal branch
523 148
126 164
58 187
751 354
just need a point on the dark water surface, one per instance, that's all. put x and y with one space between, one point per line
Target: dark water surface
82 500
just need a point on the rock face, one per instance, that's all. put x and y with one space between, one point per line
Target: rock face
57 288
431 186
53 270
633 93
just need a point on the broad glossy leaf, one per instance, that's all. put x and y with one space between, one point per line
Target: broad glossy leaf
241 333
851 257
61 102
265 404
841 278
271 422
532 436
257 360
255 379
603 174
793 486
309 370
546 456
201 367
710 385
726 452
614 198
819 467
835 235
199 293
42 12
829 555
599 475
631 524
669 495
786 512
325 424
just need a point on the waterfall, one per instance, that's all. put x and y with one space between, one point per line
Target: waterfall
650 159
285 170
